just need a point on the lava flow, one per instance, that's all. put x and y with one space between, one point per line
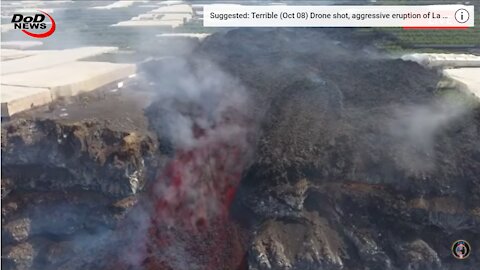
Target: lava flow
190 227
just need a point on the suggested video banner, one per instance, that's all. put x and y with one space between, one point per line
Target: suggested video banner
438 16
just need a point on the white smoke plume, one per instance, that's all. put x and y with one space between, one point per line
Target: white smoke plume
414 129
202 114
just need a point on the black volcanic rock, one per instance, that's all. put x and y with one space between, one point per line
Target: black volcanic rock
361 163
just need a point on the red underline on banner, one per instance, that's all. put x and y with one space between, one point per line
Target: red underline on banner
436 27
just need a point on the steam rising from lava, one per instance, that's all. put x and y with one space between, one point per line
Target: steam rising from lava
414 129
202 118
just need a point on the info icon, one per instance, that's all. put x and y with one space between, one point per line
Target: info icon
462 15
461 249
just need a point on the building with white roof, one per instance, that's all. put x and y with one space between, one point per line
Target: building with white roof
444 59
171 16
173 9
36 78
467 79
461 70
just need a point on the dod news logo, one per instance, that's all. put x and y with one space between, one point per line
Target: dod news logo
36 22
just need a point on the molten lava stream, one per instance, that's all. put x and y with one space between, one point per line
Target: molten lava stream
192 198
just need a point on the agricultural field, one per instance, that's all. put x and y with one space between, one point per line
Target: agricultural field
431 40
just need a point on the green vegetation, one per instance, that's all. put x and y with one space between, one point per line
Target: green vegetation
433 39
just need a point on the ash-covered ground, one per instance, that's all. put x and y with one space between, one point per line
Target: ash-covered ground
262 149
